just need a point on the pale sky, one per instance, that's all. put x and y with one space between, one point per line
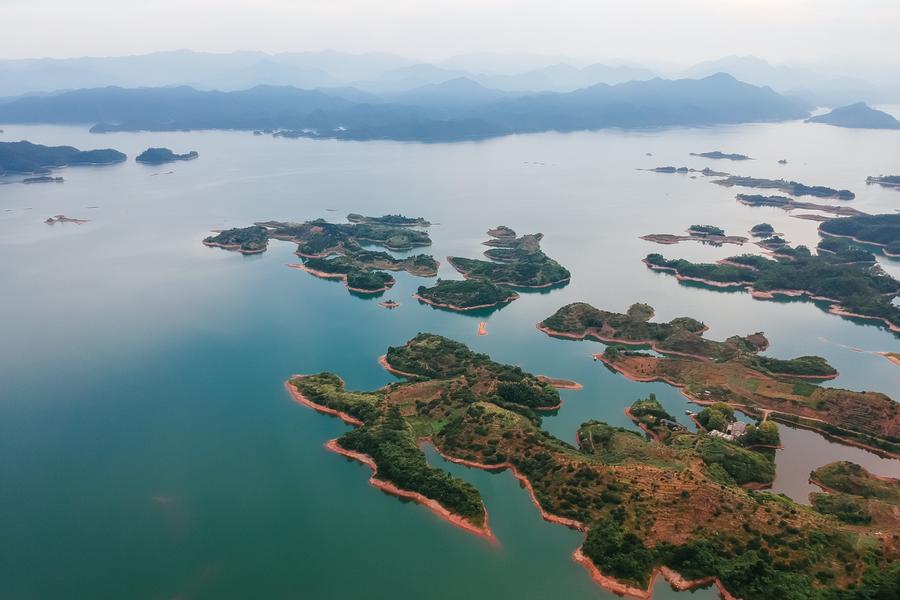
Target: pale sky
663 30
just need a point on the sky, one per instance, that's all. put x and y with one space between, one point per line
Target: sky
673 31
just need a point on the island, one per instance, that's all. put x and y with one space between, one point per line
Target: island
788 187
43 179
716 154
335 250
876 230
734 373
891 181
468 294
762 230
64 219
705 234
158 156
861 291
789 204
515 261
857 116
647 508
25 157
390 220
707 172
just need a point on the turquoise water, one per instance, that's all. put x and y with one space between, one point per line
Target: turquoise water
148 448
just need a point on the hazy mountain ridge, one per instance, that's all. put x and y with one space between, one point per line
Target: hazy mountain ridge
459 109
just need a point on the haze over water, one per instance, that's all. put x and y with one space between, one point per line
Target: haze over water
149 450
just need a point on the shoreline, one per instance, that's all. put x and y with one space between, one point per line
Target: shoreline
382 360
514 296
433 505
561 384
594 334
234 247
466 275
653 435
342 276
325 410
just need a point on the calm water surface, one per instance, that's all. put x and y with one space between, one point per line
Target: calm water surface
148 449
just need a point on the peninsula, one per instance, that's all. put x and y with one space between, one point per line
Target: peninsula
789 204
851 290
734 373
25 157
857 116
788 187
876 230
158 156
647 508
514 261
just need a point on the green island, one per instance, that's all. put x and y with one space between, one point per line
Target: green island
788 204
468 294
43 179
707 172
159 156
843 250
877 230
733 372
335 250
389 220
862 291
857 116
514 261
762 230
891 181
718 155
647 508
788 187
25 157
705 234
855 496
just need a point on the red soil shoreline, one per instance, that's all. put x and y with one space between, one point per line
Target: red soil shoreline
514 296
466 275
301 399
342 276
561 384
594 334
416 497
382 360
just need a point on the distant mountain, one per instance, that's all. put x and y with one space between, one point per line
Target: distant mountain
408 78
857 116
457 109
25 157
564 77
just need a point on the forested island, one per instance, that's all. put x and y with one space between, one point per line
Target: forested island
514 261
788 187
335 250
468 294
891 181
705 234
852 290
762 230
25 157
877 230
646 507
857 116
718 155
389 220
158 156
789 204
43 179
707 172
734 373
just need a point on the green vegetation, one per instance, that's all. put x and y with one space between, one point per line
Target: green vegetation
842 250
643 504
762 230
716 154
880 230
716 417
466 294
247 240
515 261
847 508
158 156
390 220
788 187
803 366
885 180
785 203
864 290
25 157
706 230
764 434
850 478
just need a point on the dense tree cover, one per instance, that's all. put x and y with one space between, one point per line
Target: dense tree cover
847 508
467 293
650 406
392 445
861 289
788 187
850 478
392 238
762 230
886 180
764 434
717 416
744 466
515 261
842 250
245 239
814 366
706 230
158 156
876 229
390 220
25 157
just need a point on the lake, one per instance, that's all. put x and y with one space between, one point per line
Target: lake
149 450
